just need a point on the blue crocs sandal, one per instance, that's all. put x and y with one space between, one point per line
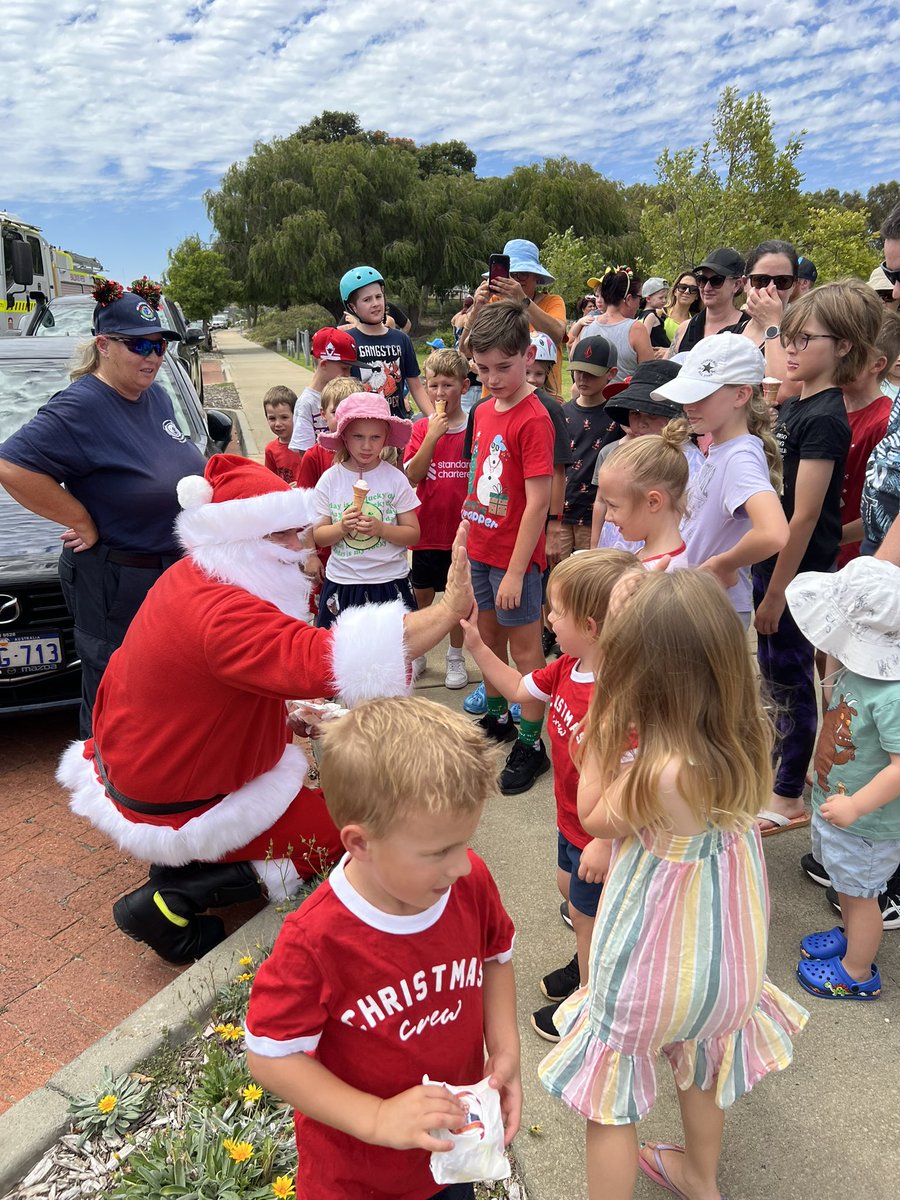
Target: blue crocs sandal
476 702
827 979
831 944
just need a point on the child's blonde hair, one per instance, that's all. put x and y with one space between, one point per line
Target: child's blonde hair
391 759
279 394
655 462
677 672
581 585
849 311
447 362
336 390
759 423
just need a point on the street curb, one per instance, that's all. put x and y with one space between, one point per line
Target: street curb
34 1124
249 445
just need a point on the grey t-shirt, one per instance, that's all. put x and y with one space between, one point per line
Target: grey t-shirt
716 518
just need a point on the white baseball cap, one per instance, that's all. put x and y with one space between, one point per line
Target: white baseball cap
725 358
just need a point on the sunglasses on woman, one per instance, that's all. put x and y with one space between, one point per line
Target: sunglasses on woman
782 282
689 289
893 276
713 281
141 346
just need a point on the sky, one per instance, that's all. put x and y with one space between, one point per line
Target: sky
115 117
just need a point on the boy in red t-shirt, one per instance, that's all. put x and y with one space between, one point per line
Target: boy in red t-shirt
396 967
868 410
278 404
578 593
509 495
436 468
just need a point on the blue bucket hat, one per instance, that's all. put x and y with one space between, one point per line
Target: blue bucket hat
129 316
523 256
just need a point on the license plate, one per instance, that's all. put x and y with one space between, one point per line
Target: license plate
25 654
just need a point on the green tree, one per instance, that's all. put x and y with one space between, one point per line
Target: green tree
735 189
880 199
330 126
198 279
839 242
568 258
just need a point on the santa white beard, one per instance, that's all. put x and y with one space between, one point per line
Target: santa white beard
263 569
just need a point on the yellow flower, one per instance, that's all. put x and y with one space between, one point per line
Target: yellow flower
239 1151
283 1187
251 1093
229 1032
246 961
243 978
107 1103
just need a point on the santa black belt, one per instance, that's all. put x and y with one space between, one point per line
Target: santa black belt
148 810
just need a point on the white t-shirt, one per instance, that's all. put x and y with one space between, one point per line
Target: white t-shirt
308 420
716 518
365 560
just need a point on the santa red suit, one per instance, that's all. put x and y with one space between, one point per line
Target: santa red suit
191 760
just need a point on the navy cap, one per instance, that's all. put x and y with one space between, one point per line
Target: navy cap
806 269
130 316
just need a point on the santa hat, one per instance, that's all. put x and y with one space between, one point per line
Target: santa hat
236 500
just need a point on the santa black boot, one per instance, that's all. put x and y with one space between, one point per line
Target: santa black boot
164 912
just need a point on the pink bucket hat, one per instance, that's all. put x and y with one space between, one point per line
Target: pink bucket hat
367 406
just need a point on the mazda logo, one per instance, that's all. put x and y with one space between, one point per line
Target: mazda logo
10 610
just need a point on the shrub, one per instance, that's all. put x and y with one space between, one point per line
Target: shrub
276 324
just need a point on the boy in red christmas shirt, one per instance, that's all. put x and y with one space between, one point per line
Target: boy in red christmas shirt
509 494
397 967
578 594
278 405
438 470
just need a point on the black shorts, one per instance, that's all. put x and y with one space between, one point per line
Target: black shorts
429 569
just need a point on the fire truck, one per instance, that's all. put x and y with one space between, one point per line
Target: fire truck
32 269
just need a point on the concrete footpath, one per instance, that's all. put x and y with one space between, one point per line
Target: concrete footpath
828 1125
253 370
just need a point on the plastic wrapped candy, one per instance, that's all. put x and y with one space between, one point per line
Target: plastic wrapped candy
477 1152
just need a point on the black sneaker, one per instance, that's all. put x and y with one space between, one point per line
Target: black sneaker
548 642
888 902
542 1023
562 983
815 870
564 913
524 765
501 730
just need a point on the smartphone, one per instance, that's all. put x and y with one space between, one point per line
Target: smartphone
498 268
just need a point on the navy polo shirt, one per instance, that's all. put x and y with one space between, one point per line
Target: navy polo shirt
121 458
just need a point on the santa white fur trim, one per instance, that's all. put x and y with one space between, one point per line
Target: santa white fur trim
193 490
245 520
368 652
228 825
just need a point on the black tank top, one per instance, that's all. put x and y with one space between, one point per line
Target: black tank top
696 328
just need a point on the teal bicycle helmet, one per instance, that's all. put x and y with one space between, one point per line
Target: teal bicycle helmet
356 278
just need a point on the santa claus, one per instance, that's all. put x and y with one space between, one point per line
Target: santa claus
192 766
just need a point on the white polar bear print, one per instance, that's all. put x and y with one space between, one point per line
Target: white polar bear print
489 483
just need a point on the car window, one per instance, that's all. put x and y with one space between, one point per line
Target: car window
66 320
24 387
185 413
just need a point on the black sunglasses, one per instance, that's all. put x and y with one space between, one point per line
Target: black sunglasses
142 346
713 281
782 282
893 276
690 289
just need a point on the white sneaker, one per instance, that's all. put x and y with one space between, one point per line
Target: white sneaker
457 676
418 666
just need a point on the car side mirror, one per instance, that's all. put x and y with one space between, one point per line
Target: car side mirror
221 428
22 262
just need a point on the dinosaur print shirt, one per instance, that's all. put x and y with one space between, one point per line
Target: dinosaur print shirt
859 732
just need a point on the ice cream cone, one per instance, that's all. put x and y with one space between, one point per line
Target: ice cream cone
440 408
360 492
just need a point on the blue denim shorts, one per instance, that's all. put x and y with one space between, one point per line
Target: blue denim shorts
583 896
856 865
486 582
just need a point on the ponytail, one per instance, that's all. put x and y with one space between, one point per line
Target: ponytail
656 462
759 423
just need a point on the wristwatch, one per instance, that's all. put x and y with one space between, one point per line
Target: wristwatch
772 332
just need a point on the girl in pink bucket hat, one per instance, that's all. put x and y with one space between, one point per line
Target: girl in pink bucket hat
365 510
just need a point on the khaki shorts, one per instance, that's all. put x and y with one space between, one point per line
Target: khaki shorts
572 538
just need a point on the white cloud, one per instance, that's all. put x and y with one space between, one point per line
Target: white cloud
109 99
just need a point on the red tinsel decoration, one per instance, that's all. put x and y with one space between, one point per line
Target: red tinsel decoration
105 291
147 290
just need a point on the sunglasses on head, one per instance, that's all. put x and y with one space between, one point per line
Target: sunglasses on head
142 346
690 289
782 282
713 281
893 276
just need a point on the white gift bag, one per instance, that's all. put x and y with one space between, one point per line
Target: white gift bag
477 1152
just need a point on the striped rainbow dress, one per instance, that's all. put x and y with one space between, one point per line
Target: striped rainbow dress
678 965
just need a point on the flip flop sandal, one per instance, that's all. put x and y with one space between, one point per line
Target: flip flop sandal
781 822
660 1175
831 944
827 979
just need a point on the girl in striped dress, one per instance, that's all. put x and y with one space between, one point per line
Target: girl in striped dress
678 956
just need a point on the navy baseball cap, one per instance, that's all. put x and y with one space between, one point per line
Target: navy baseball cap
806 269
130 316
